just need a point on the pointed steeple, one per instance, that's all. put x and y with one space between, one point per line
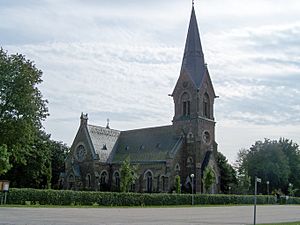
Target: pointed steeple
193 58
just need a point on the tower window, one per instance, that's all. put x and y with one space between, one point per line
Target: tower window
206 106
186 104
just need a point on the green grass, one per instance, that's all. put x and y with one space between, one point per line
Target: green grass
291 223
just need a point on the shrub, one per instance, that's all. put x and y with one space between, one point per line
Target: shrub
67 197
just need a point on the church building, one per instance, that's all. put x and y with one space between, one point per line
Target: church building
185 147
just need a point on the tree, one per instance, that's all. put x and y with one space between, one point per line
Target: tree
292 152
273 161
228 176
59 152
177 184
4 160
22 110
128 175
209 178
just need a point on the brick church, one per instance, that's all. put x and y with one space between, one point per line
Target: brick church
185 147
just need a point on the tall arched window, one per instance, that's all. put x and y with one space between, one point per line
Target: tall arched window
117 180
186 104
103 181
206 106
149 181
88 180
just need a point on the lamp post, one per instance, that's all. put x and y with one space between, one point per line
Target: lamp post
268 182
192 176
229 190
290 189
255 193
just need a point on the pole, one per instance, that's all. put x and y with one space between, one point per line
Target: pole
192 190
268 190
255 192
5 195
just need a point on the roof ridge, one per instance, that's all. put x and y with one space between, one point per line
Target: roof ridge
147 128
91 125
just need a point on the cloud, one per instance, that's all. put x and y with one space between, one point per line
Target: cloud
119 61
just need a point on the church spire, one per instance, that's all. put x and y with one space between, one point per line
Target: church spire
193 58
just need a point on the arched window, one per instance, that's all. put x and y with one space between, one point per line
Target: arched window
117 180
189 161
186 104
206 106
149 181
177 167
190 137
88 180
103 177
103 181
165 183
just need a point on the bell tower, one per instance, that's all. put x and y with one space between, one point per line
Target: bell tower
194 97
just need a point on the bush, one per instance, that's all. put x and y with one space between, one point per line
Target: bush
66 197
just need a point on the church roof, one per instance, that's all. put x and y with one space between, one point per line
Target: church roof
103 140
155 144
193 59
147 145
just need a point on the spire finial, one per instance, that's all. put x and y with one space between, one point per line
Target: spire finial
107 125
193 3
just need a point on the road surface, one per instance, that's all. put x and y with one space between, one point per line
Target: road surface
150 216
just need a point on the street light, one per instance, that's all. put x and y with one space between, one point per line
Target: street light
291 189
192 176
229 190
268 182
257 180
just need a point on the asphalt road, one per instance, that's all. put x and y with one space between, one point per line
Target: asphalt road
154 216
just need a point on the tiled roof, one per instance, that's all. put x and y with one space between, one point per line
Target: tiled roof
147 145
103 140
142 145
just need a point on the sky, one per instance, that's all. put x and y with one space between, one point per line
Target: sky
121 59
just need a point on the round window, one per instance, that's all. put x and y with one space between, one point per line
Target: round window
80 153
206 137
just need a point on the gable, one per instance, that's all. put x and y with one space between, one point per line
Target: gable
103 140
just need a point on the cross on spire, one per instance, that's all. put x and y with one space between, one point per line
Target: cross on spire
107 125
193 3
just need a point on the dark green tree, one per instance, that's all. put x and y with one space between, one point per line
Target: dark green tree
228 176
177 184
209 178
22 110
292 152
273 161
128 175
4 160
59 153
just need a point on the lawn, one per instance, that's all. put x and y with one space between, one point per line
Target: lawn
291 223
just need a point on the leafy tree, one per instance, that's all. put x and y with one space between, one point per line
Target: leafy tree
274 161
4 160
177 184
292 152
22 110
128 175
209 178
59 152
227 173
244 184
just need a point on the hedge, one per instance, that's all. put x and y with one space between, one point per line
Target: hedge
67 197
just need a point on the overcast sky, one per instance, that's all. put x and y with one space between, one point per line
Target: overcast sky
121 59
